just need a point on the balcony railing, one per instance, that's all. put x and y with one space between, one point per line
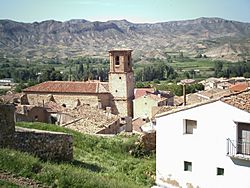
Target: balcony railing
238 149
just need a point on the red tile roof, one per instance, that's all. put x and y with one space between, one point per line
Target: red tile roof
138 92
239 87
68 87
239 100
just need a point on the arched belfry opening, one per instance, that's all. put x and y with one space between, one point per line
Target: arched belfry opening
121 80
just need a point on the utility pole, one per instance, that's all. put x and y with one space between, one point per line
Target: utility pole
184 83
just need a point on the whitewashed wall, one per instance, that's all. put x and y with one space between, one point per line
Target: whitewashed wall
206 148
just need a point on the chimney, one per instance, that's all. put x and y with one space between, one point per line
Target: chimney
108 111
184 83
24 109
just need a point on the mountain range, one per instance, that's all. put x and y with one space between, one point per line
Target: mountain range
213 37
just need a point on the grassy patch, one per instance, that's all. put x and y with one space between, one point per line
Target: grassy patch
98 162
6 184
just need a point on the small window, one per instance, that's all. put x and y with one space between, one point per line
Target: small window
120 78
129 59
116 91
220 171
117 60
189 126
187 166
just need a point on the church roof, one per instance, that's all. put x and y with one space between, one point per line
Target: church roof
69 87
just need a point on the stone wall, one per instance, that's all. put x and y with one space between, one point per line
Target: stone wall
7 125
149 141
35 113
44 144
112 128
71 100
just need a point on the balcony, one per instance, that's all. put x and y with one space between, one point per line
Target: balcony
238 149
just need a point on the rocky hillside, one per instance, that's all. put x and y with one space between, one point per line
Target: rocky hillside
214 37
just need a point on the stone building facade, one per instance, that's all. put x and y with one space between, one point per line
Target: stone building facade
121 81
118 93
70 94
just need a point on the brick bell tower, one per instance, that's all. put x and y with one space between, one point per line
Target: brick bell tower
121 81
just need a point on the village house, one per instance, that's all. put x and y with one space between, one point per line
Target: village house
7 83
206 144
222 83
146 104
143 105
118 93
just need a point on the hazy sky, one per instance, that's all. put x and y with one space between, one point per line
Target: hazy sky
132 10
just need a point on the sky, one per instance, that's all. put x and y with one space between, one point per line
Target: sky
137 11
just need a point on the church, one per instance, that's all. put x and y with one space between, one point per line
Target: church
117 93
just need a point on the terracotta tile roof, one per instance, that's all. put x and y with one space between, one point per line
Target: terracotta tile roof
19 108
68 87
138 122
239 87
138 92
214 93
54 107
156 97
239 100
90 119
11 98
161 109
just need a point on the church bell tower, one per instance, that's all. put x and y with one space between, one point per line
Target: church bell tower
121 81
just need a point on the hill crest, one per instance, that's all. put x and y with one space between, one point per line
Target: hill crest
215 37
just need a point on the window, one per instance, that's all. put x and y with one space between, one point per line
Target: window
189 126
117 60
187 166
129 59
220 171
120 78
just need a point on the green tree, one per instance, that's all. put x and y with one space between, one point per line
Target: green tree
218 66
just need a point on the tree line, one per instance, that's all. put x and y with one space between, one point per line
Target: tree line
232 70
157 71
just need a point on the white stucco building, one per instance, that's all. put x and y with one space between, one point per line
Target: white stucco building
206 145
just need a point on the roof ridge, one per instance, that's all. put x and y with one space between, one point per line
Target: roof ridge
234 94
66 87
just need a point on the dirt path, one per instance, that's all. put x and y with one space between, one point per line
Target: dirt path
20 181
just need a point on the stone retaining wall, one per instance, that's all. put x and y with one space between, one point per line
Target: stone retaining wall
149 141
44 144
7 125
